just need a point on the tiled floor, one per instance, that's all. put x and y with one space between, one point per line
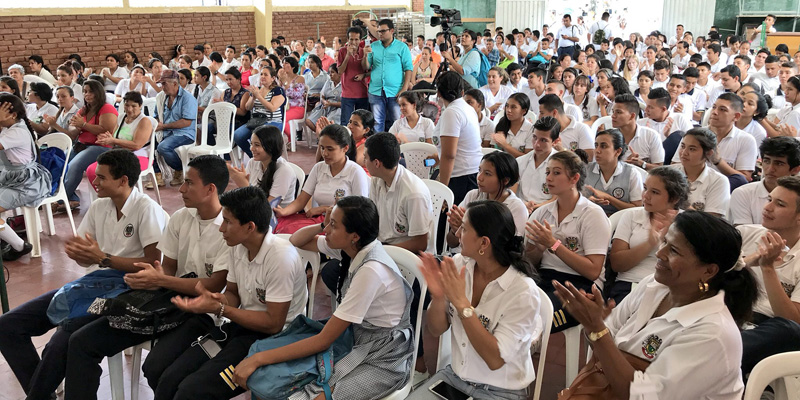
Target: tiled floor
29 278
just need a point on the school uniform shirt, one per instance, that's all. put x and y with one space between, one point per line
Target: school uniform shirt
634 229
710 192
681 62
688 106
521 140
659 84
531 93
532 185
779 101
120 72
512 51
647 143
66 116
634 184
141 225
16 142
591 109
502 95
576 135
486 126
788 271
509 310
520 85
77 91
574 112
721 63
714 94
514 204
376 295
701 337
790 115
37 114
770 85
708 87
326 189
758 132
460 120
747 203
699 99
585 231
197 245
275 275
284 181
679 122
419 133
738 149
405 208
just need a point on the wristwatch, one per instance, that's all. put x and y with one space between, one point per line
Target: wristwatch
106 261
467 312
595 336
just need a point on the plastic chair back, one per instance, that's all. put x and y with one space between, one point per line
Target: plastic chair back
225 115
415 154
442 198
602 121
487 150
546 317
770 369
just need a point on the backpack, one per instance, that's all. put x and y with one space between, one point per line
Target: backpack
279 381
484 72
145 312
75 298
55 161
599 34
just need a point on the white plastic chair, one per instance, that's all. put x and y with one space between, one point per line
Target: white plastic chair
617 216
225 117
415 154
707 116
115 364
32 221
149 106
531 116
599 122
774 371
440 195
298 124
151 153
572 340
408 263
487 150
312 258
300 174
546 315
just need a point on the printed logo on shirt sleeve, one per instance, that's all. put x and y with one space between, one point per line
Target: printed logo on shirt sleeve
699 205
261 294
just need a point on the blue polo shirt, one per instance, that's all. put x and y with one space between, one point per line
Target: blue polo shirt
388 65
184 107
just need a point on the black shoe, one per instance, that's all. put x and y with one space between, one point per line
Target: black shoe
13 255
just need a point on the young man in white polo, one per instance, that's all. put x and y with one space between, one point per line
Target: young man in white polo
644 144
191 244
780 156
532 188
120 230
574 133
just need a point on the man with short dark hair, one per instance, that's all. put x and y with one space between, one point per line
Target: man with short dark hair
349 59
200 59
769 20
532 188
121 229
391 73
661 119
769 80
644 144
730 78
603 25
573 133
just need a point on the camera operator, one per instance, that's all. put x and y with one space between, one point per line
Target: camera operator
391 73
469 65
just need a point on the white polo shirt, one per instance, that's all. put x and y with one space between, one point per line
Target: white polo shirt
514 204
326 189
738 149
520 85
788 272
574 112
634 229
701 337
423 130
521 140
276 275
647 143
532 185
197 245
591 109
490 99
710 192
679 123
284 180
576 135
585 231
757 131
699 99
141 225
790 116
376 294
509 310
486 128
405 208
688 106
460 120
747 203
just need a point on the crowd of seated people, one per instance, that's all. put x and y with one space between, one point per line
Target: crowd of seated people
647 186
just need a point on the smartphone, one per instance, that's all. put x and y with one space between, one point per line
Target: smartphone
429 162
209 346
443 390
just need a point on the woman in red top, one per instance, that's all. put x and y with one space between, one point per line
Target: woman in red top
247 69
96 117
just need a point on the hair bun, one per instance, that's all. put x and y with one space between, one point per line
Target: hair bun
514 245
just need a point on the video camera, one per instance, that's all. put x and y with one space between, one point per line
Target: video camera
448 17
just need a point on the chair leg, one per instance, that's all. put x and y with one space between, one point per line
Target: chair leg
293 135
115 374
136 370
572 339
155 186
51 227
32 229
71 219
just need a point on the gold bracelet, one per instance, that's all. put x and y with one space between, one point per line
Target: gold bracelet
221 312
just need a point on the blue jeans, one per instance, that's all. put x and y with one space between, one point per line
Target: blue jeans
772 336
350 104
77 166
241 136
167 150
385 110
566 50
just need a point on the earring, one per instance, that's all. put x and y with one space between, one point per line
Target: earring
703 286
481 252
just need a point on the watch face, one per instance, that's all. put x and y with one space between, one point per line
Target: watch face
467 312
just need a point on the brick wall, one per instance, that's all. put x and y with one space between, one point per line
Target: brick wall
301 24
94 36
417 5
